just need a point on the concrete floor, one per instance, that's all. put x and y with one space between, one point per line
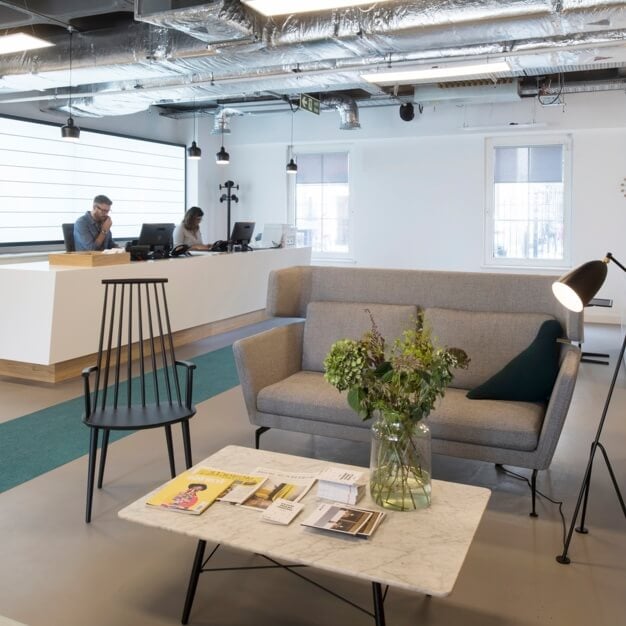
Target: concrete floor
57 571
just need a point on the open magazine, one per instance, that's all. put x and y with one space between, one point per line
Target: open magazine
192 491
241 487
342 518
279 484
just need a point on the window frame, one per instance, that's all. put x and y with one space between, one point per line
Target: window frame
491 143
347 257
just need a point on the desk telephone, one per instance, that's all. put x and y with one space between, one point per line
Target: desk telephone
220 246
180 250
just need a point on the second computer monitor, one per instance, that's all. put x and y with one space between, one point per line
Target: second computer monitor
157 236
242 233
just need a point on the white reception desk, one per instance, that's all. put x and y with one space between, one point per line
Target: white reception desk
50 314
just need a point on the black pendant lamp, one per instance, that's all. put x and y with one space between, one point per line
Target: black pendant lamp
193 152
70 132
222 157
292 166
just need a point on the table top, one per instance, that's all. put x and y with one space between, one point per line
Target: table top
420 551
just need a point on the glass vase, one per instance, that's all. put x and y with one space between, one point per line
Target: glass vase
400 463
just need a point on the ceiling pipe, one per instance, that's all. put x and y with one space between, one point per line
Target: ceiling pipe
347 108
221 121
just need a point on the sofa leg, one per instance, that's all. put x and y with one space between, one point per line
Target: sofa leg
533 490
257 435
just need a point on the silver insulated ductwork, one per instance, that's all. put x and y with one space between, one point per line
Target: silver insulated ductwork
347 108
211 52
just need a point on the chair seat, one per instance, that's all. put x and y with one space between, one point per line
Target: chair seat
139 417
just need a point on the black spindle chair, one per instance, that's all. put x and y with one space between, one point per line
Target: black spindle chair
135 325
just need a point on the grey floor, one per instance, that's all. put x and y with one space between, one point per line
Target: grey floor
57 571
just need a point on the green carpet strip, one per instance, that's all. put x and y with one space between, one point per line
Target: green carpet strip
34 444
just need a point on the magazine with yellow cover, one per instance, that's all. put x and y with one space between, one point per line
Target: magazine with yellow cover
192 491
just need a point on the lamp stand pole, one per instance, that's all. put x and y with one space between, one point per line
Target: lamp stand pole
583 495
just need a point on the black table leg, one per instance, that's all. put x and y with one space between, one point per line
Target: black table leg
379 607
193 580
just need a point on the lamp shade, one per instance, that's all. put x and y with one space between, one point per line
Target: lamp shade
223 157
292 167
575 289
70 132
193 152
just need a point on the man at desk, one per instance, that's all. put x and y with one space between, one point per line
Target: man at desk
92 231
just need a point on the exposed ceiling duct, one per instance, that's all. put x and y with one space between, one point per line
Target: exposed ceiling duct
219 53
221 121
347 108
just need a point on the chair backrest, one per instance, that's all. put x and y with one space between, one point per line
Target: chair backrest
68 237
136 345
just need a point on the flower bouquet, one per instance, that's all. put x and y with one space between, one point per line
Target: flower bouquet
400 387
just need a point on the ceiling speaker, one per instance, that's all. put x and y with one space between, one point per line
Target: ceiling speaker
407 113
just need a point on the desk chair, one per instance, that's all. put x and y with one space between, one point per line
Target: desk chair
135 324
68 237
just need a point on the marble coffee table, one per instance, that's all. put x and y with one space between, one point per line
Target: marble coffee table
420 551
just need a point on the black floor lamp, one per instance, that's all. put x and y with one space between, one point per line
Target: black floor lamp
574 290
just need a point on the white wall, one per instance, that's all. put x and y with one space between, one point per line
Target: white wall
417 187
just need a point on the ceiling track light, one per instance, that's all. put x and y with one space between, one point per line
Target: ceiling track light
70 132
222 157
292 166
193 152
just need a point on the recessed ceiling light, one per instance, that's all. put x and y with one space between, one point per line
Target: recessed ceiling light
21 41
284 7
435 73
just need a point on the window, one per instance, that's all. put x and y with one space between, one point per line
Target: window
322 203
46 181
527 212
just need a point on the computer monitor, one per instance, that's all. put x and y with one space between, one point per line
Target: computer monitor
157 236
242 233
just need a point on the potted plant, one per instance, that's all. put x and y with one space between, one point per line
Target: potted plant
400 387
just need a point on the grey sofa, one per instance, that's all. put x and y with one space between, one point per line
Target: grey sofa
493 317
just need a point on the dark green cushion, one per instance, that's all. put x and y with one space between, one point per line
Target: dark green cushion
530 376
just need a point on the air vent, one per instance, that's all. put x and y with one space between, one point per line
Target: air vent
474 93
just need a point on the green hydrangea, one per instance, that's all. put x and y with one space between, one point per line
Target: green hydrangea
407 381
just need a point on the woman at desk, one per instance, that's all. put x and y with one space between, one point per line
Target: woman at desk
188 231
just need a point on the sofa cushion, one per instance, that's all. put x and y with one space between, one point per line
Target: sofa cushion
491 340
497 423
530 376
307 395
494 423
327 322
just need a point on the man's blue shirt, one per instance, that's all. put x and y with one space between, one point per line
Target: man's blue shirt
86 229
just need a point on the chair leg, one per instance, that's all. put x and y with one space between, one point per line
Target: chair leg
257 435
533 490
186 443
91 470
170 449
103 456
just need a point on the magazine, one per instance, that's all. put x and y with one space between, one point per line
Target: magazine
367 530
192 491
279 484
338 518
242 486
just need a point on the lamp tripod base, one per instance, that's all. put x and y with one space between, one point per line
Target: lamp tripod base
583 495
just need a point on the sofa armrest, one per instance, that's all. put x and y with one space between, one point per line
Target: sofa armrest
558 405
267 358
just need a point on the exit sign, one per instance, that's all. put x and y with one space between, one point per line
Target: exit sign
309 103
